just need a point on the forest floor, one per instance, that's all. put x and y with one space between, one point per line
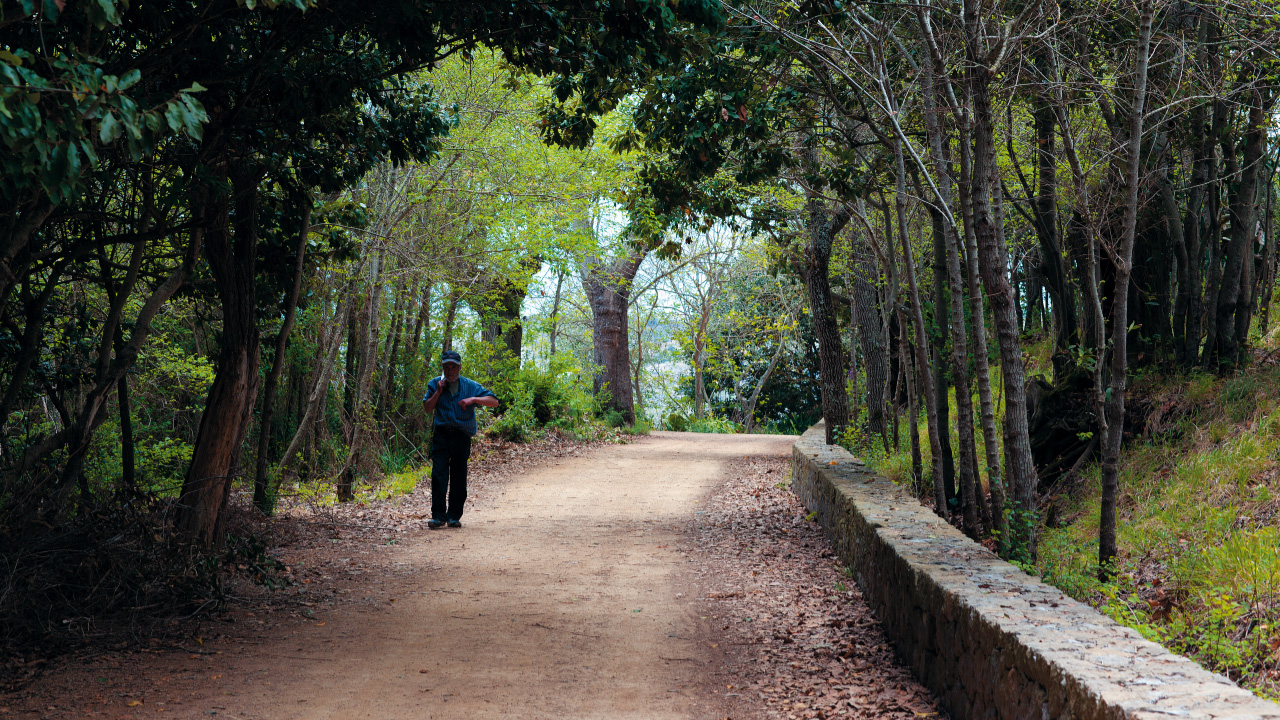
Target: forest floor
672 577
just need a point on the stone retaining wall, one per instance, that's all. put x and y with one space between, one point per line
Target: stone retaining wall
991 641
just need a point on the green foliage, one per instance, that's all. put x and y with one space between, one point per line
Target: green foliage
714 424
533 396
612 418
677 422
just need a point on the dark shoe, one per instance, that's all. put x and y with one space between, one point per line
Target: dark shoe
455 523
435 523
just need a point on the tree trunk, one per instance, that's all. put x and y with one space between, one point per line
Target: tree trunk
262 497
1269 255
1235 294
922 341
555 311
450 315
391 360
938 350
215 459
823 225
608 290
127 469
350 402
993 261
330 341
1123 259
748 405
875 361
947 248
1052 269
498 306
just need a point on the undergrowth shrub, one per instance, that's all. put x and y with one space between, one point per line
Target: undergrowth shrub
533 397
714 424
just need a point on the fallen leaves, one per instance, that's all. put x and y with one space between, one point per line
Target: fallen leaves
808 645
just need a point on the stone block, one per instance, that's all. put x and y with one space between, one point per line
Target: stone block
992 642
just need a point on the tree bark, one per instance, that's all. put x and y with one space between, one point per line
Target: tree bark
932 414
608 290
938 347
823 225
1235 292
330 341
555 311
228 410
1052 269
947 246
875 360
261 489
450 315
993 261
1123 259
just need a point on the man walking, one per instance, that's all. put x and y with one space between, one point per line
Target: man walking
453 399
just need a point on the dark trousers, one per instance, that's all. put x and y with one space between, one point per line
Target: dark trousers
450 449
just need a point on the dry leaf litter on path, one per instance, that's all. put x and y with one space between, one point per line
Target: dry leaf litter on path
798 638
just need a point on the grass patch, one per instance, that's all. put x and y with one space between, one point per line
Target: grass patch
1198 527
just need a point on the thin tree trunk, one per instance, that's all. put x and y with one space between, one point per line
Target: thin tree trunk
993 261
127 465
262 496
555 311
391 363
948 248
330 341
450 314
422 324
938 350
1123 259
749 404
922 341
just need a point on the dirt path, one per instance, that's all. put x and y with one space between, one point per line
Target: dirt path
577 590
565 600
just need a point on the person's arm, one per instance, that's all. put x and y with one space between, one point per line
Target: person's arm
429 402
485 400
483 396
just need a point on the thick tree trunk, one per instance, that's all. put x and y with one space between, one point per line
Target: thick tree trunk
499 310
215 459
608 290
823 225
261 490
